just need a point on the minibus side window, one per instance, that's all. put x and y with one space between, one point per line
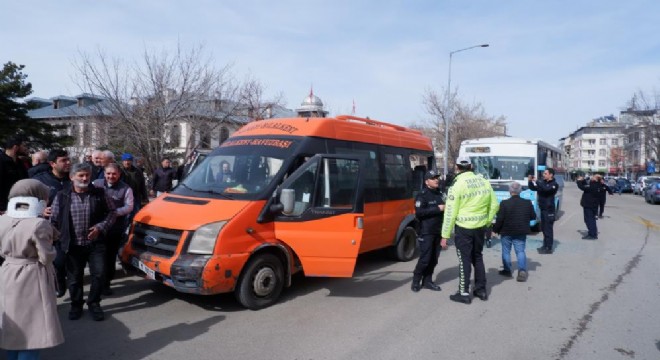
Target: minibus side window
338 183
398 178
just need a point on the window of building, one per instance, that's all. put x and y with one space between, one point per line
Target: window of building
615 142
601 163
224 134
175 136
603 141
601 152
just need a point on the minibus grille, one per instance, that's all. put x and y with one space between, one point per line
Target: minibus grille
156 240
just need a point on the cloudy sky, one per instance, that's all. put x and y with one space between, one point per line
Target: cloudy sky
551 66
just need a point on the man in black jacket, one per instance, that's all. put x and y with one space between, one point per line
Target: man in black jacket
163 178
589 202
512 223
12 168
429 207
545 195
57 178
602 197
83 215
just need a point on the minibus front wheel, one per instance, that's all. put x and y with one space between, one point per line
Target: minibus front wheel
261 282
406 248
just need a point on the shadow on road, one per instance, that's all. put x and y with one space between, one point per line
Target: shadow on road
87 339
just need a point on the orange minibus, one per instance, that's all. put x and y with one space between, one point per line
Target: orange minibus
281 196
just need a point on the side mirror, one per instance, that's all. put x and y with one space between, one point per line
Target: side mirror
287 200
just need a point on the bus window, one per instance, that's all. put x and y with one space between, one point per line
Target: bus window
397 177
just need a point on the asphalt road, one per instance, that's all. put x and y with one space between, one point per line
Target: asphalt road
591 299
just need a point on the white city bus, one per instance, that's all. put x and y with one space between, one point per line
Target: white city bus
506 159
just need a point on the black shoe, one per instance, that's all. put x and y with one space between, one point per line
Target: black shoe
481 294
75 313
489 243
542 250
428 284
97 312
589 237
465 299
61 288
416 286
506 273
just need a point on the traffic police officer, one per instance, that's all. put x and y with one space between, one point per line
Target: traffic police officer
545 193
429 207
471 207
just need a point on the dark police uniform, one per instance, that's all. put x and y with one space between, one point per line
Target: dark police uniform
428 234
545 195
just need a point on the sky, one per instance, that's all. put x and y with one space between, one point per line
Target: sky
551 66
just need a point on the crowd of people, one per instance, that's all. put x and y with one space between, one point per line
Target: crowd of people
59 218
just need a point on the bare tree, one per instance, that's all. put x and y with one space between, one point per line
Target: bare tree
646 107
148 104
467 122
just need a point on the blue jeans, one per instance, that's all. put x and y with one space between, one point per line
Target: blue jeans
518 242
23 354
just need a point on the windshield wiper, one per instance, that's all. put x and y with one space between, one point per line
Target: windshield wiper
209 191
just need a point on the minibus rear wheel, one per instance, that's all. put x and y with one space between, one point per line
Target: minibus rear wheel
261 282
406 248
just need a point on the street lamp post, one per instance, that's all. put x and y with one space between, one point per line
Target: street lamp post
448 108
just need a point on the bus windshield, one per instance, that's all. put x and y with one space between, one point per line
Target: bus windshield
241 168
503 167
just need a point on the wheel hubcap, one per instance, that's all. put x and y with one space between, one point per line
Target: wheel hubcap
264 281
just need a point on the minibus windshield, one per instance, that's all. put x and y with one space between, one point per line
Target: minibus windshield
241 168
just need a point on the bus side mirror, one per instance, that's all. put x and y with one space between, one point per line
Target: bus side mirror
287 199
286 204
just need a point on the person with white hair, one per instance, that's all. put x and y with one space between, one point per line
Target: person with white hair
28 306
512 223
108 158
39 163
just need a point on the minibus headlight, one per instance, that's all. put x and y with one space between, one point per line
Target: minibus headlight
203 241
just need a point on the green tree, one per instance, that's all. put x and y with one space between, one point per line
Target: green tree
13 114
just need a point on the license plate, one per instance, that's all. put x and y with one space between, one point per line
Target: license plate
144 268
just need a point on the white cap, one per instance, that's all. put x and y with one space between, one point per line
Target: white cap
463 160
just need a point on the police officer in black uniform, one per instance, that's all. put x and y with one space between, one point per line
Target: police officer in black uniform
545 195
429 207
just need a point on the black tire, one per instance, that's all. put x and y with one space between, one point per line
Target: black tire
406 247
261 282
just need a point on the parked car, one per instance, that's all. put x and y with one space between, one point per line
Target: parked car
642 182
623 185
652 192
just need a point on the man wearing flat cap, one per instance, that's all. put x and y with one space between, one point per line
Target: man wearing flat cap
429 207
